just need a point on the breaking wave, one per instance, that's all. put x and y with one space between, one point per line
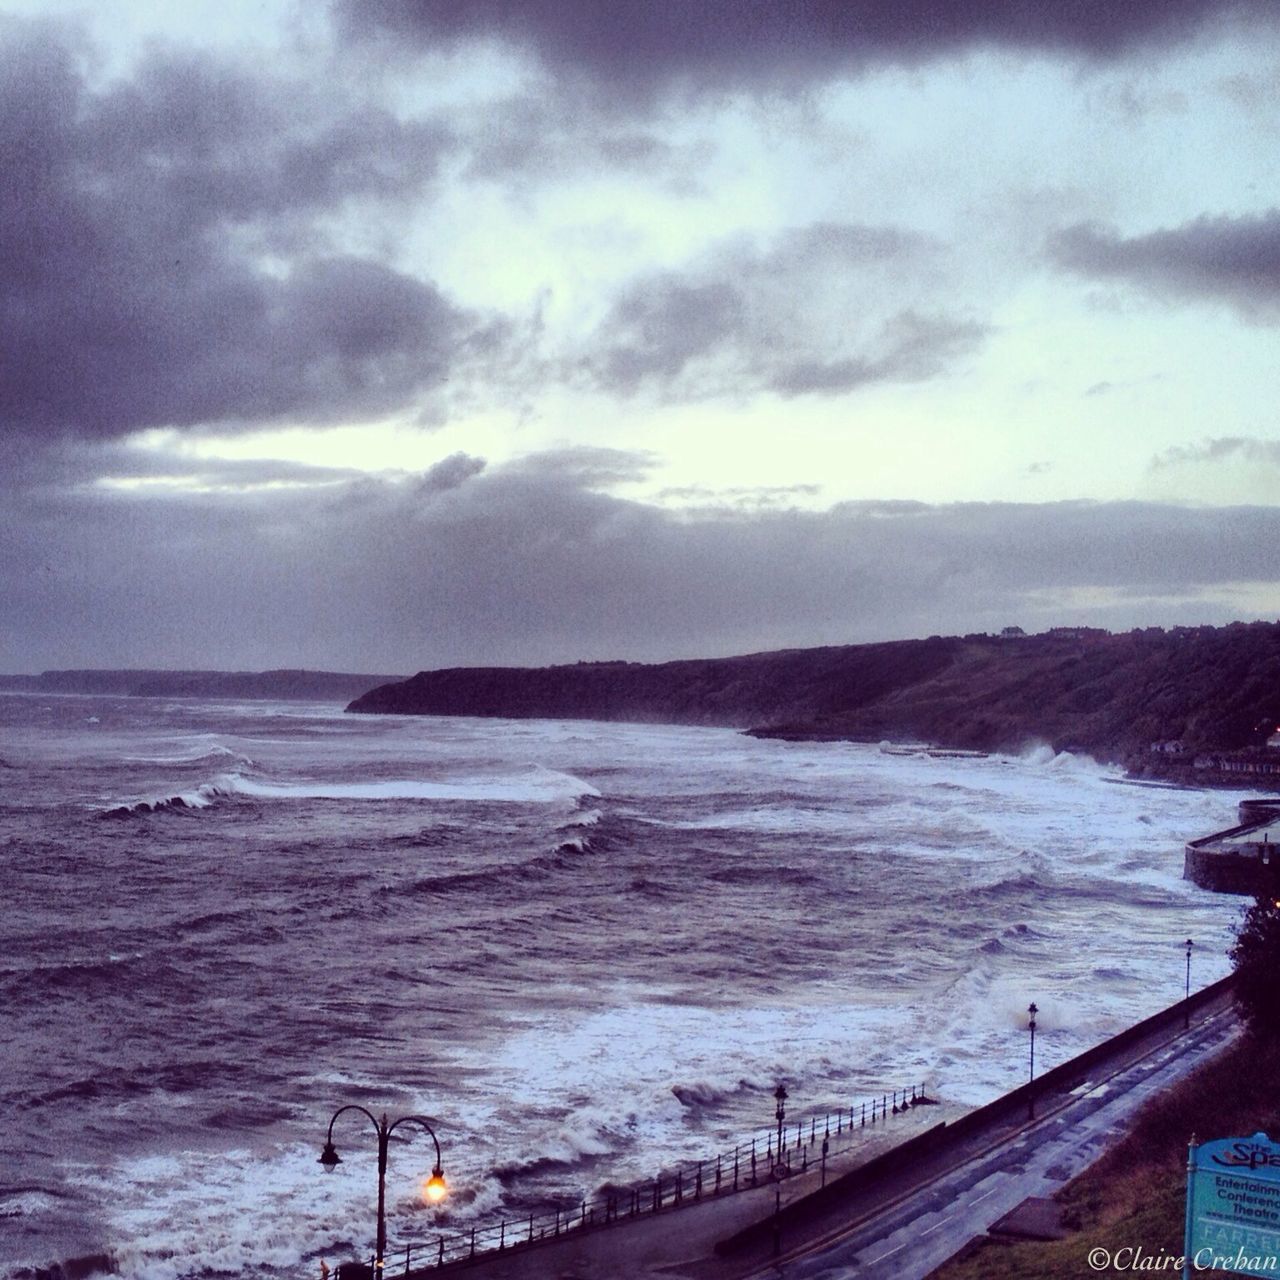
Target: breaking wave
539 786
536 786
200 752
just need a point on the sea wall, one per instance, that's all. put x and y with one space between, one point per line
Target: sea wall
1010 1108
1227 872
1259 809
1225 862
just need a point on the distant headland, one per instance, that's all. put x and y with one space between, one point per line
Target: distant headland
1193 704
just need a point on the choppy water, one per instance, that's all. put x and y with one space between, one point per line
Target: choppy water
536 933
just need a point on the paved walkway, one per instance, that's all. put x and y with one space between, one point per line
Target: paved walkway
668 1243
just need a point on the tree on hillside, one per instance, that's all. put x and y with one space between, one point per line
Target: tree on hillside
1256 959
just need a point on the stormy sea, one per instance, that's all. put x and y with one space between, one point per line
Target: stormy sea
581 950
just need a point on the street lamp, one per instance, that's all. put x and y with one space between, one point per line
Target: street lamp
434 1188
780 1170
1186 998
780 1094
1031 1079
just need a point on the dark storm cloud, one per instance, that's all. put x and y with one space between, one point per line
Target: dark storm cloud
528 562
817 312
161 263
630 48
1236 260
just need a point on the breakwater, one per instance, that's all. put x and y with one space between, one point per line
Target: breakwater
1239 859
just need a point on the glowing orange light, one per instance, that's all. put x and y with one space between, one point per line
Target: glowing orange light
435 1189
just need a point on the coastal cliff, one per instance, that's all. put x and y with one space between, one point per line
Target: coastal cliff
1196 690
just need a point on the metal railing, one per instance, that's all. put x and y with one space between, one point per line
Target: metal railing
749 1164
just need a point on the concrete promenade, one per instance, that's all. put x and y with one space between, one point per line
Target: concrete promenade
733 1236
669 1242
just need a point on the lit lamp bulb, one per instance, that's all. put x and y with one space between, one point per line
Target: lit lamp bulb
435 1189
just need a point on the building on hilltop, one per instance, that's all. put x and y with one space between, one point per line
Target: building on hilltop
1078 633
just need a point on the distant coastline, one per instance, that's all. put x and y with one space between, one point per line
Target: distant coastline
1191 705
325 686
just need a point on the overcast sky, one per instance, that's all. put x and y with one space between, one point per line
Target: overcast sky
387 335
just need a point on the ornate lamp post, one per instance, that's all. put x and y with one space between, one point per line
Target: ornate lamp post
780 1111
1186 997
1031 1078
434 1189
780 1170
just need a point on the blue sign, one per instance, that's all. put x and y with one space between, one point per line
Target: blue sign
1233 1207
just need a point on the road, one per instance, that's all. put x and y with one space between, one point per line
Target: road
908 1240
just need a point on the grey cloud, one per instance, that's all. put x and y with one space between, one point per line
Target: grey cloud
658 326
630 49
814 377
738 500
821 243
64 466
220 141
450 473
1260 93
1135 101
912 348
876 508
133 287
585 466
528 562
246 473
1224 448
771 491
1236 260
526 138
818 311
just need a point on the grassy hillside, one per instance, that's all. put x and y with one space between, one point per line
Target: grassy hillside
729 691
1210 688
